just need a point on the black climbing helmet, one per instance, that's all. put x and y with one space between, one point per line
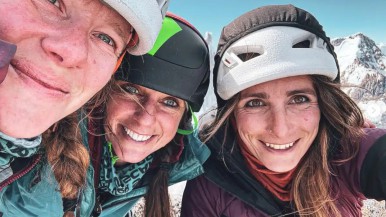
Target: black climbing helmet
177 65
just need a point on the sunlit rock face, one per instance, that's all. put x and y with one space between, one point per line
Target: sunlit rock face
363 74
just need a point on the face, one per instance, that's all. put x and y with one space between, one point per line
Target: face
278 121
141 122
66 52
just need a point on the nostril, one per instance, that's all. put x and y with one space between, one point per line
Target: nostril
57 56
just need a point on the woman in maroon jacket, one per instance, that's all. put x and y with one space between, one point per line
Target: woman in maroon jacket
287 140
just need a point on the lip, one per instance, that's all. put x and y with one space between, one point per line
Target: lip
279 150
29 73
152 137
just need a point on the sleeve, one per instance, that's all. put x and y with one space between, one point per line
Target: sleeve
373 169
199 198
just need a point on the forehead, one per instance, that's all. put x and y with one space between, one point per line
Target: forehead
281 85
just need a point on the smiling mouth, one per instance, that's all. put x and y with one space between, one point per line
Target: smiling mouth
135 136
24 71
279 146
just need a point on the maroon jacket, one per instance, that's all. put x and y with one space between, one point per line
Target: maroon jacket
231 191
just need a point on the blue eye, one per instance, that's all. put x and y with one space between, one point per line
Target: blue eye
106 39
130 89
55 2
254 103
170 103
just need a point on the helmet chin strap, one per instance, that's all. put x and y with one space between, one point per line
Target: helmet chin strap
195 122
119 61
114 158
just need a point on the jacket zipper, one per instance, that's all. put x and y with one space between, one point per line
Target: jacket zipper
21 173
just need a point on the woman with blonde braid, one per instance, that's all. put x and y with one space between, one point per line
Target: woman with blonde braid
54 56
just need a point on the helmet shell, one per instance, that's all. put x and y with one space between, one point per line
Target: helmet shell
262 24
273 56
178 64
146 18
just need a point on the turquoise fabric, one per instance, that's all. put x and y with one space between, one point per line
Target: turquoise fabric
36 194
23 198
190 166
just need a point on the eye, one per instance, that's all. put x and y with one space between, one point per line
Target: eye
254 103
130 89
299 99
170 103
106 39
55 2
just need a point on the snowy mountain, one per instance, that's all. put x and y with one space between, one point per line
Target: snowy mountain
363 74
382 46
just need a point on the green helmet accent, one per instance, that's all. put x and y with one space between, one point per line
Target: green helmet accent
178 65
169 28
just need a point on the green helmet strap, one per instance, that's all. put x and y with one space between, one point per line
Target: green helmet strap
114 158
195 122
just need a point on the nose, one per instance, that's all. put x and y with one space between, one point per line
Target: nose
67 45
146 114
278 123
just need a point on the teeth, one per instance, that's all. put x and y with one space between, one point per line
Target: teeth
276 146
135 136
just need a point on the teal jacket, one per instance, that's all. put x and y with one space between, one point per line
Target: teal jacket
32 190
189 166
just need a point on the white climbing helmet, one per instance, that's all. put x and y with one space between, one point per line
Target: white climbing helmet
273 56
146 18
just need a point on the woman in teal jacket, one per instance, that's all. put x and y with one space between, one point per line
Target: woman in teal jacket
66 52
143 140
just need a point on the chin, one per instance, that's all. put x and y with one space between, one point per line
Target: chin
24 132
132 159
282 168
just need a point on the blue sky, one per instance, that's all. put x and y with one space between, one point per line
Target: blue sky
340 18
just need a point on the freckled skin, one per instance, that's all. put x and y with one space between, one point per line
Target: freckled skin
64 56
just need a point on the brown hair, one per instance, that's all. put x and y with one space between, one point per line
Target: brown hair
68 157
157 202
65 152
337 141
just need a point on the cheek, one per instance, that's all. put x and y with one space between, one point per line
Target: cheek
311 119
170 126
100 72
23 20
247 123
116 109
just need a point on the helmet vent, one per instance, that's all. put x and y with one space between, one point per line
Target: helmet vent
302 44
247 56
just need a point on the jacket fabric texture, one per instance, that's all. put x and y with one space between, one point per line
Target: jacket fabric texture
227 189
188 166
33 191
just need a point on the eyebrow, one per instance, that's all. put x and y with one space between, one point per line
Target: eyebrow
304 90
255 95
263 95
